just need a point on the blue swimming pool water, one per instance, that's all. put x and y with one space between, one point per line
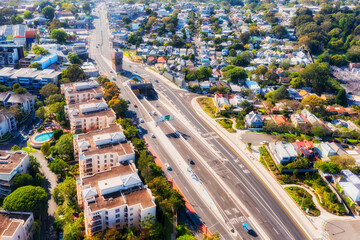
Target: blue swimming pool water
43 137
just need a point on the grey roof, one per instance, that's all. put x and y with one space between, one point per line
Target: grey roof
5 115
20 98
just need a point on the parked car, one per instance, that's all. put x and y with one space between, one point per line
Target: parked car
168 167
247 227
154 113
141 120
135 106
191 161
153 135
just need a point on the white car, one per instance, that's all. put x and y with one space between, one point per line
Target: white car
264 142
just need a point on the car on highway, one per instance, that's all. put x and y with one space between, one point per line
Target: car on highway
156 105
153 135
168 167
154 113
247 228
191 161
157 81
135 106
141 120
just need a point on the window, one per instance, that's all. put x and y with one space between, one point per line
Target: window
98 162
105 161
106 212
117 220
111 155
117 210
117 215
131 209
131 219
131 214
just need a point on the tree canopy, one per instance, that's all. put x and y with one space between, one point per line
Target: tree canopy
59 35
49 89
48 12
27 199
74 73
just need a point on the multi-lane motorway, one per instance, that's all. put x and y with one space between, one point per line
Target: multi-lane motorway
249 198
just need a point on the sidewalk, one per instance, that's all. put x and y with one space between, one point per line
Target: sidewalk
313 226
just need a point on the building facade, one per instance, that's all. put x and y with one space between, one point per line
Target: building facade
11 163
16 225
79 92
7 122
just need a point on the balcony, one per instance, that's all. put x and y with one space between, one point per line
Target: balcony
95 224
96 217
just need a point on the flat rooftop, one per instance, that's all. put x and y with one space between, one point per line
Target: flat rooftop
81 87
10 221
99 107
10 161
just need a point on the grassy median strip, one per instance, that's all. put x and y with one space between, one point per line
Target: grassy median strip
303 199
227 124
208 106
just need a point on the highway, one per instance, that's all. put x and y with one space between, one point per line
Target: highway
253 199
213 222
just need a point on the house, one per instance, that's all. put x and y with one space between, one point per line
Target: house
294 95
351 185
279 120
337 110
303 94
284 80
284 152
16 225
78 92
297 120
253 121
11 163
305 148
309 117
7 122
162 60
205 85
325 150
221 101
89 116
26 101
254 86
115 198
151 60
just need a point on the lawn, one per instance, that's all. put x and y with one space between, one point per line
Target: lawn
208 106
28 149
303 199
227 124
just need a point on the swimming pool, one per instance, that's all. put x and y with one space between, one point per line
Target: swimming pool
43 137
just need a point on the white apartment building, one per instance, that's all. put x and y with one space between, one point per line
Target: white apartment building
11 163
7 122
100 150
79 92
89 116
114 199
26 101
16 225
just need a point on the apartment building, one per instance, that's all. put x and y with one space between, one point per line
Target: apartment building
10 53
100 150
16 225
7 122
79 92
115 198
26 101
92 115
11 163
30 78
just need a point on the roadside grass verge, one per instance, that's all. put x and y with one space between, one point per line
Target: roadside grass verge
227 124
208 106
303 199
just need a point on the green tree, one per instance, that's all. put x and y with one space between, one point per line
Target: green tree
40 113
279 31
236 74
18 112
27 199
119 105
35 65
74 73
49 89
59 167
28 14
243 59
21 180
59 35
64 147
16 20
39 50
15 148
56 98
48 12
74 58
45 148
317 76
18 89
279 94
58 133
344 161
341 98
203 73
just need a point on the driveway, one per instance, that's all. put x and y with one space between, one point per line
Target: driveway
255 138
48 231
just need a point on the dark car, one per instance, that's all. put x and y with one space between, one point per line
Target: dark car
191 161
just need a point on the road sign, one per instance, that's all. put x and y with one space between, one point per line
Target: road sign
164 118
